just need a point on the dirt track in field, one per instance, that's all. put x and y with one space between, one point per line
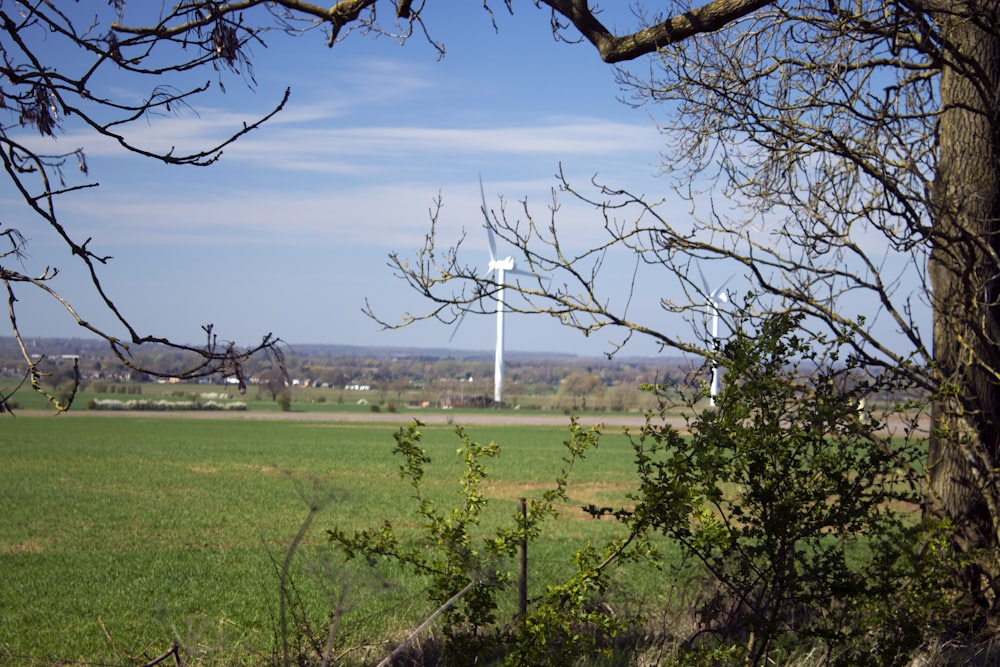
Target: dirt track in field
485 417
404 417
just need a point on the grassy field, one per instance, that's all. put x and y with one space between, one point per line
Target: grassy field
121 533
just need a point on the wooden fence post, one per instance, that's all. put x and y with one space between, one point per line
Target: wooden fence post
522 570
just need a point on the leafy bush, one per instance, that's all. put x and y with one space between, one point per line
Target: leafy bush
468 568
797 507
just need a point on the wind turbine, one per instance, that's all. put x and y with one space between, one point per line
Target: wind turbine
499 268
715 297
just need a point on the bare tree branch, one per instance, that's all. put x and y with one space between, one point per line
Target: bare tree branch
710 17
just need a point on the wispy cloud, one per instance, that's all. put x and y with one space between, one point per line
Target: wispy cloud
291 148
392 215
289 145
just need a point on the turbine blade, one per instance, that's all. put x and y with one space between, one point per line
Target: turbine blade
704 283
542 279
489 227
458 323
461 318
718 290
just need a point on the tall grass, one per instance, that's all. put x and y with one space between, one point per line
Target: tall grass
120 534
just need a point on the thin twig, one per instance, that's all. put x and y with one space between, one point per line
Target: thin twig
413 635
174 650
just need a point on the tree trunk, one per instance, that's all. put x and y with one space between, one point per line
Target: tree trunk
964 456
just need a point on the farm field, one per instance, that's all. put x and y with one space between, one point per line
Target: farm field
122 533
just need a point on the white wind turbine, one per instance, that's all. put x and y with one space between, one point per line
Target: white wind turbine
715 297
498 268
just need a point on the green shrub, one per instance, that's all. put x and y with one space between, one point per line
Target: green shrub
469 569
796 507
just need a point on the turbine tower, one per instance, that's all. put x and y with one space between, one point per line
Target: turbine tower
498 268
715 297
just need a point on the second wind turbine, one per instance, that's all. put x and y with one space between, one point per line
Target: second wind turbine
715 297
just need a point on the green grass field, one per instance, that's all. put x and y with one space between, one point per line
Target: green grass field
121 533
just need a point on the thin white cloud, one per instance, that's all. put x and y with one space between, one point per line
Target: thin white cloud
351 89
287 145
292 148
395 216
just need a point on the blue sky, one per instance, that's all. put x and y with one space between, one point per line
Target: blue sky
289 232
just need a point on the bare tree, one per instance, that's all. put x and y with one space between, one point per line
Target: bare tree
273 381
842 137
580 385
858 134
39 95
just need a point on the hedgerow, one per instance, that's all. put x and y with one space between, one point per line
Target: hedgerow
162 405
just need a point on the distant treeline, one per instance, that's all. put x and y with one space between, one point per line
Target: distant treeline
342 365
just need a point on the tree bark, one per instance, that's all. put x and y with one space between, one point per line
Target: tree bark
964 453
712 16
